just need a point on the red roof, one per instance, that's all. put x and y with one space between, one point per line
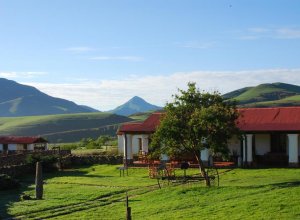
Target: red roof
147 126
251 119
21 140
270 119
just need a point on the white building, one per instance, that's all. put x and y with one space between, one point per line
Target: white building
271 136
15 143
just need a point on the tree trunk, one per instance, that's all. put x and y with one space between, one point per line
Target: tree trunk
202 171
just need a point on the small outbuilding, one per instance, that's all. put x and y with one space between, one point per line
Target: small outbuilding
18 143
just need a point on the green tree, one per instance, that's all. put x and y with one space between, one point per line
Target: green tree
194 121
103 140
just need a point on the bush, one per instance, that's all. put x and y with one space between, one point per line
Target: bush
7 182
48 161
65 146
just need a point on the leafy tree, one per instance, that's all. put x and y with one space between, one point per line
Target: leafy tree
194 121
103 140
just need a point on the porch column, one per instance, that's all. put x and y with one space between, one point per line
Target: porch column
145 143
244 150
128 147
293 150
204 155
249 149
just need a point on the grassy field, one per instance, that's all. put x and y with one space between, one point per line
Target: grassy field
140 116
110 150
289 101
98 192
65 127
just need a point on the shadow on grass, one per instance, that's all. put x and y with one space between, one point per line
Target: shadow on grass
73 173
8 197
286 184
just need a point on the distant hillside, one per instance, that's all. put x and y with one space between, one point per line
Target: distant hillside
134 105
63 128
21 100
266 95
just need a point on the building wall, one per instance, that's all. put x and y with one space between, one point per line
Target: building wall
20 146
120 144
262 144
299 145
234 146
30 147
12 147
135 143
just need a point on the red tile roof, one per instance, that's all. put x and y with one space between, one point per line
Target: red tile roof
21 140
251 119
147 126
270 119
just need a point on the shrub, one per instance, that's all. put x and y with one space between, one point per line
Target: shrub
7 182
65 146
48 161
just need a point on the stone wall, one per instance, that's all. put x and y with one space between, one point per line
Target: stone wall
17 171
15 166
75 160
19 158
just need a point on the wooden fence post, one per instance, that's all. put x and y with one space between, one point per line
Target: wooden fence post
128 209
38 181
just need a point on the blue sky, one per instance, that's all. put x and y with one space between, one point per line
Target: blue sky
101 53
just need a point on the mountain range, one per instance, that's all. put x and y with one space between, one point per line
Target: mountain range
22 100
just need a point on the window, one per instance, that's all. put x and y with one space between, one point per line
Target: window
140 145
5 147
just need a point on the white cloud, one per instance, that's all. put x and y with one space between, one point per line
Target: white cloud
288 33
107 94
275 33
13 75
8 74
124 58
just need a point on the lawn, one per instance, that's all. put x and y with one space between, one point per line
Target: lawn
98 192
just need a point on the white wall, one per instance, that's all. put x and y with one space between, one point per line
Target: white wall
234 144
30 147
120 144
12 147
299 145
262 144
135 143
20 146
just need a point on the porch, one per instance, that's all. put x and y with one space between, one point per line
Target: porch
273 149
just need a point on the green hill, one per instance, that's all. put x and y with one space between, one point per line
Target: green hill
266 95
21 100
64 127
